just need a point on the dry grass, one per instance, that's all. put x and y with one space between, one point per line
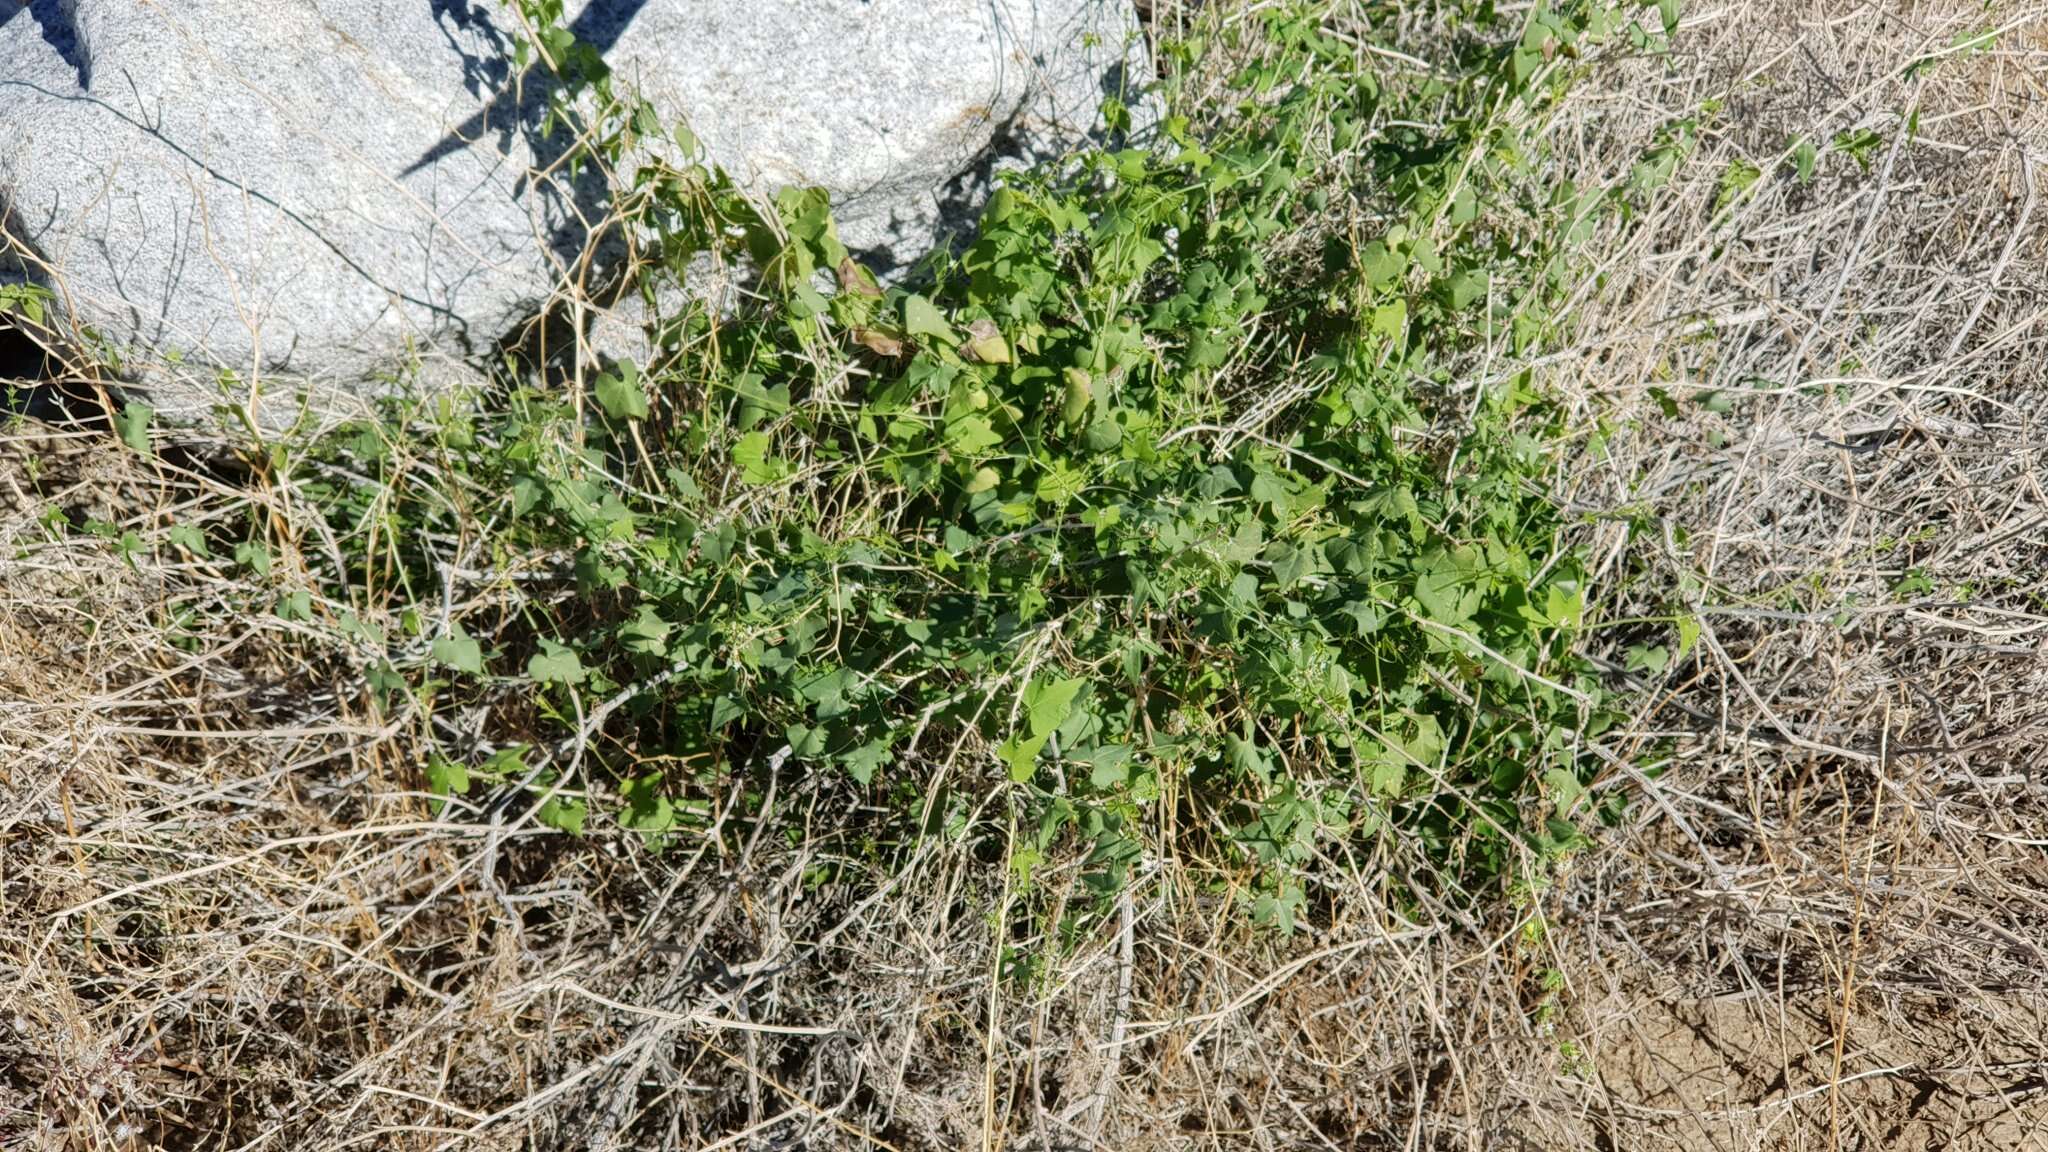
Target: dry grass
1828 930
226 921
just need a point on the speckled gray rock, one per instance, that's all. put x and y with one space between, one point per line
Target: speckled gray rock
217 187
316 196
898 107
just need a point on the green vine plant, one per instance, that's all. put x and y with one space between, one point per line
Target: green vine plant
1163 506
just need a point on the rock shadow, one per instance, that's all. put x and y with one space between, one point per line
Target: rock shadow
38 374
519 103
54 18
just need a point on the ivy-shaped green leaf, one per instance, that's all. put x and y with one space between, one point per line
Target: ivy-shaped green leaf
555 663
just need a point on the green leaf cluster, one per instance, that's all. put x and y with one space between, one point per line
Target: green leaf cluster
1178 485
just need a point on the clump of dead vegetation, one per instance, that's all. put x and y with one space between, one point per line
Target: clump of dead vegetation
1819 369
